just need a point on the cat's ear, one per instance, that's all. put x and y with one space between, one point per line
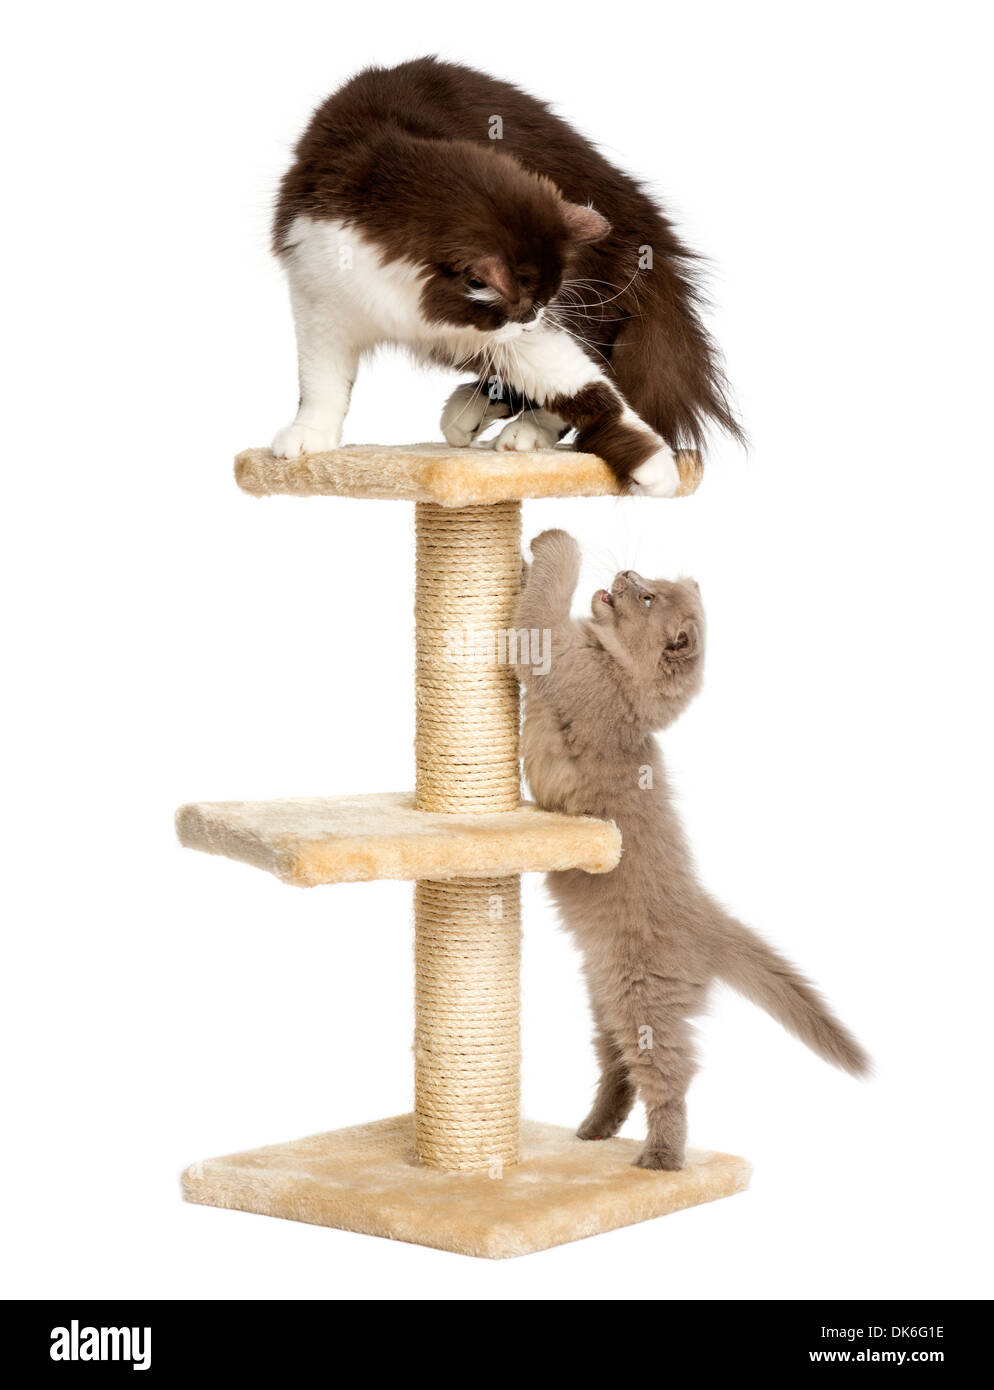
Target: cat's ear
584 224
682 643
494 271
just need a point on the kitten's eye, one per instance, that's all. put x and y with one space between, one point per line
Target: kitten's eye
476 284
647 600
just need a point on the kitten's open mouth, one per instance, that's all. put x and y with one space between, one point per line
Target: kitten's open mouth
605 597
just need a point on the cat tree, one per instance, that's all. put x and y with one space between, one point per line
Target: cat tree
464 1172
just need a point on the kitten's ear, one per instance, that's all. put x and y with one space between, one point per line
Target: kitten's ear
682 644
584 224
495 272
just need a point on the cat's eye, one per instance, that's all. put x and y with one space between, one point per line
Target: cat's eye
647 600
476 284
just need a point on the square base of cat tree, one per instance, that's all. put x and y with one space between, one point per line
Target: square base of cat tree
368 1179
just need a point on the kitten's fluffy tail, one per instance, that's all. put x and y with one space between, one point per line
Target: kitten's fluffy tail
762 975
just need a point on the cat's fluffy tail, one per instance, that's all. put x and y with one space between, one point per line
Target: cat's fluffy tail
762 975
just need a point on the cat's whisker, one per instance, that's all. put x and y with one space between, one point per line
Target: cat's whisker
616 295
590 347
479 387
575 304
576 281
581 312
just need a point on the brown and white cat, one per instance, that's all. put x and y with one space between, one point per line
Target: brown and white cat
434 207
653 940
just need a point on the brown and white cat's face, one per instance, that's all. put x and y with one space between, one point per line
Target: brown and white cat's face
654 626
499 274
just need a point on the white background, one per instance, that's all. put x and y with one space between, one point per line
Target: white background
170 639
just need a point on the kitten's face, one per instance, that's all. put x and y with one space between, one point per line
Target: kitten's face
498 275
653 625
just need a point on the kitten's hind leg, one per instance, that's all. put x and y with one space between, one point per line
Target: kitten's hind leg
470 409
658 1046
616 1090
666 1144
615 1093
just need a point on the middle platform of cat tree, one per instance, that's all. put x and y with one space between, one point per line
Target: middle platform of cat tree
358 839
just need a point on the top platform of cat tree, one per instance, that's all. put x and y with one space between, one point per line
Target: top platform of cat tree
438 473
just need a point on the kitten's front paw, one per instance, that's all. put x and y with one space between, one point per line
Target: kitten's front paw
554 538
468 411
296 439
658 476
522 436
660 1160
458 437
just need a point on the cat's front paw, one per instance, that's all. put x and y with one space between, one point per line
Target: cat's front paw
658 476
297 439
661 1160
523 436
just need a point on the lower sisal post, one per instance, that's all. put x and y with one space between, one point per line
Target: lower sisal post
467 931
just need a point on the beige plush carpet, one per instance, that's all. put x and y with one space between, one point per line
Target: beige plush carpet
352 839
439 473
368 1179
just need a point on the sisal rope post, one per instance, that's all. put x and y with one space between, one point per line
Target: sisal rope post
467 1050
